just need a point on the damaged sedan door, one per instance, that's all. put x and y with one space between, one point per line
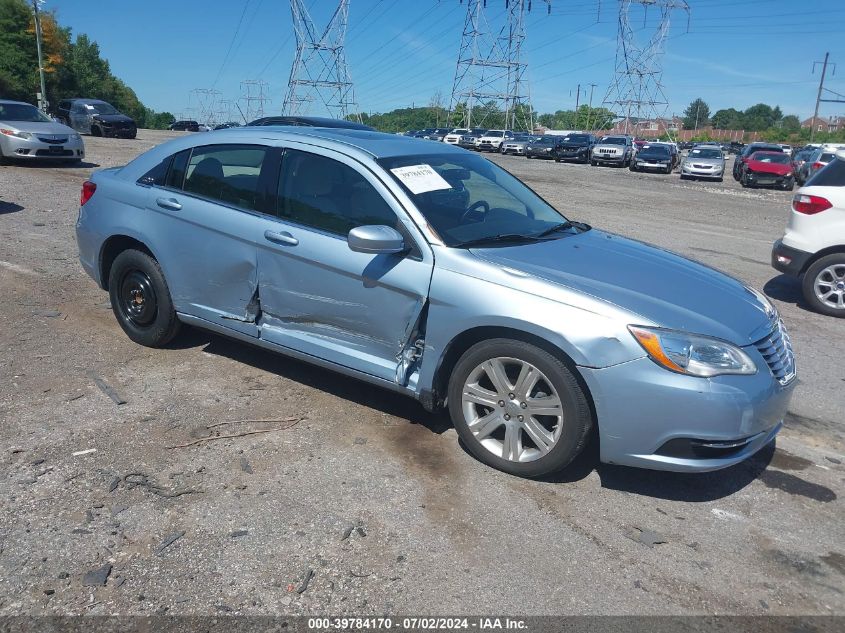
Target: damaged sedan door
359 310
208 210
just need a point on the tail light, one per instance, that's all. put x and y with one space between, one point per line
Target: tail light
818 165
810 205
88 189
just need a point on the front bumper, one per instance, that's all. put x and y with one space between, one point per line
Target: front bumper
702 172
35 149
487 146
789 260
539 153
514 149
118 130
651 166
582 154
766 180
649 417
609 158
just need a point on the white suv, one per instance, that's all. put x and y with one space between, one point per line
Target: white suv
454 137
814 242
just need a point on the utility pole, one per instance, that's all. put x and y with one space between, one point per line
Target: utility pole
43 104
821 90
577 99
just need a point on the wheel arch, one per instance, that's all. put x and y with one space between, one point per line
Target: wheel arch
113 247
466 339
830 250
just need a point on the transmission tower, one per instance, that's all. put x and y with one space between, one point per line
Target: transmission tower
491 77
636 90
203 101
254 96
319 76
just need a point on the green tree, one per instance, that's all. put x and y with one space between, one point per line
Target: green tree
18 56
761 117
696 115
790 123
729 119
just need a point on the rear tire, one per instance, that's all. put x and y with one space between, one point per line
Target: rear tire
823 276
141 300
541 443
96 130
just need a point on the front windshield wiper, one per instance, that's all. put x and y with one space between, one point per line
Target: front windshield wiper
554 229
494 239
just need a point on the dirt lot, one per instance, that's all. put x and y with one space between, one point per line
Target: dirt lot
368 505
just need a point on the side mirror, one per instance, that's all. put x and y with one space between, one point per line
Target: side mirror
375 239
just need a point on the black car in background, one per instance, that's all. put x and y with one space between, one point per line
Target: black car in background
95 117
309 121
185 126
575 147
227 125
656 157
542 147
747 151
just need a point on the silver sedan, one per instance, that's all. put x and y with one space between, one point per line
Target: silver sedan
704 162
26 133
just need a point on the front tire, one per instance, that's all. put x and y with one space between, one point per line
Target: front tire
518 408
823 285
141 300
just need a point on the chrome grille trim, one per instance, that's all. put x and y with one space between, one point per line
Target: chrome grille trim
776 350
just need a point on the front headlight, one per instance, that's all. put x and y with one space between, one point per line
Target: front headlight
692 354
75 137
15 133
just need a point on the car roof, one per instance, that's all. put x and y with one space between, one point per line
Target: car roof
377 144
10 101
313 121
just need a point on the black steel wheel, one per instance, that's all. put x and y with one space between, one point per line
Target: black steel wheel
141 300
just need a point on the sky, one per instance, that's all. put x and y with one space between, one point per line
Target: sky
732 53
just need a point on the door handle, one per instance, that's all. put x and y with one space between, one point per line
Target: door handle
281 237
168 203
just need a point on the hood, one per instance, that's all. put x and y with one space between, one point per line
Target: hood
46 127
114 118
703 161
574 144
657 286
769 168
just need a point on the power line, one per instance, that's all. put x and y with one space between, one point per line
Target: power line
229 50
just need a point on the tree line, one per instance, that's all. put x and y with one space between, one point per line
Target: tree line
73 67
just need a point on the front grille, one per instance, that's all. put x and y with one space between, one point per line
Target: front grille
50 152
703 166
53 141
776 349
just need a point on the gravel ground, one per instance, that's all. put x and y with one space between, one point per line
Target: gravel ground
358 501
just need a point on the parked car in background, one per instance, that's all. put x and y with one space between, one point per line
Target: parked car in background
432 272
26 133
674 151
185 126
542 147
813 246
455 135
818 159
787 149
768 169
613 150
747 151
517 144
735 147
491 140
308 121
95 117
703 162
574 147
227 125
799 157
653 157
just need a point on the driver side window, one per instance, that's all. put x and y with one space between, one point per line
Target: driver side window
325 194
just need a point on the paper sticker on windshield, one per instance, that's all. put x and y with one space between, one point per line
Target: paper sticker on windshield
89 106
696 151
420 178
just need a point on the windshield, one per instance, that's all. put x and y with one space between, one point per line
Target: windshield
545 141
770 157
658 151
459 131
495 133
101 107
705 153
614 140
576 138
465 197
22 112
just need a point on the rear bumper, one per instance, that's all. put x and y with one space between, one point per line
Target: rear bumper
651 418
789 260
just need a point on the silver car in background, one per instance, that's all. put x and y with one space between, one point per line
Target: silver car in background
430 271
26 133
704 162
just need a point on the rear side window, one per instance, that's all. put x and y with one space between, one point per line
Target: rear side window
832 175
157 175
228 173
176 173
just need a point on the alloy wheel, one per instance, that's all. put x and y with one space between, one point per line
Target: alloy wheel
512 409
829 286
